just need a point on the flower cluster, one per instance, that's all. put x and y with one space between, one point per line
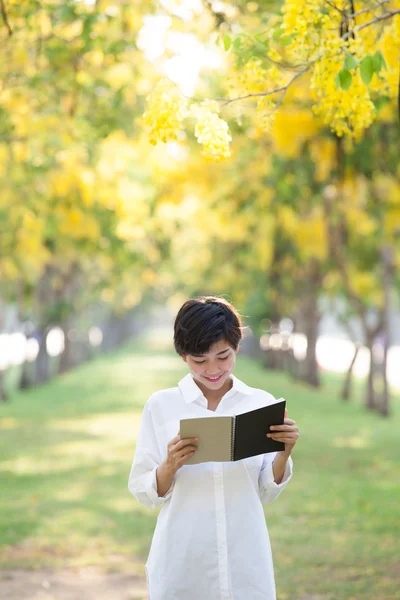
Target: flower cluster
255 78
390 43
303 20
211 131
347 111
166 109
251 78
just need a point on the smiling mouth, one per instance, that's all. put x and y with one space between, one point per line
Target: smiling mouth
213 379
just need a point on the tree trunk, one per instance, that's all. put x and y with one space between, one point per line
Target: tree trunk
3 391
311 374
66 358
274 357
26 379
310 317
370 380
388 273
384 403
379 343
346 390
292 364
42 360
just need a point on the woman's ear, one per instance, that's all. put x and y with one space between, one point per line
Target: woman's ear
184 358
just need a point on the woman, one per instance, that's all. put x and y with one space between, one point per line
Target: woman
211 541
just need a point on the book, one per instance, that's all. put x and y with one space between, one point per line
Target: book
230 438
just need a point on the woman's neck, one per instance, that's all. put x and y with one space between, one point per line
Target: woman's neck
214 397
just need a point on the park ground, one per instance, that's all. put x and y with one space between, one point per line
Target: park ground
69 530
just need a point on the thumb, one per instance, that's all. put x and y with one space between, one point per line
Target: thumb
286 413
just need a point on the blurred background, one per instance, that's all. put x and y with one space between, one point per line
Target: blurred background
103 236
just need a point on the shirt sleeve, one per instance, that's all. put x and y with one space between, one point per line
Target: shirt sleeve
142 479
269 490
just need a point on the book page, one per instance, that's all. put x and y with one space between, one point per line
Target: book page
215 438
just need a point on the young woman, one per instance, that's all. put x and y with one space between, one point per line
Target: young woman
211 541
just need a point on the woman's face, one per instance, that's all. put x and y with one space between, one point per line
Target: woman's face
213 368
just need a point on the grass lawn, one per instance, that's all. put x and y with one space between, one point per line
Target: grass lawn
66 451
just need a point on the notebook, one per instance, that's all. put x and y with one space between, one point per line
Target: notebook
235 437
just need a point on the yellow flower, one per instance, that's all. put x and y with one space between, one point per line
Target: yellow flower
166 109
211 131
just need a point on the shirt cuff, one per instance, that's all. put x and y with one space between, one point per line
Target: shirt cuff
268 475
153 494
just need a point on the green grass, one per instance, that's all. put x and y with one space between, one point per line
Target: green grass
66 451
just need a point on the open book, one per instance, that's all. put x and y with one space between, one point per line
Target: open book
236 437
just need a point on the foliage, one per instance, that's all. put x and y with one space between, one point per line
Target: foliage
73 196
345 52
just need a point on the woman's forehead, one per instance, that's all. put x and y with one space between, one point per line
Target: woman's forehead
219 347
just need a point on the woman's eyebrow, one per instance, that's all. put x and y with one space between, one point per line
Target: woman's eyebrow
218 353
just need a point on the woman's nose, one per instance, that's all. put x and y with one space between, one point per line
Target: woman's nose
213 372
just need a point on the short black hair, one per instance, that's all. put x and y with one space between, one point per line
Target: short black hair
203 321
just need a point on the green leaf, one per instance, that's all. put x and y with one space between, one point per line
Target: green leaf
227 42
350 62
286 40
379 61
367 69
260 43
344 79
277 34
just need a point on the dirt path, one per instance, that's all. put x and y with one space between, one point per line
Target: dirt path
85 584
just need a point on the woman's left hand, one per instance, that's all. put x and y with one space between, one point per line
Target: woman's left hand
287 433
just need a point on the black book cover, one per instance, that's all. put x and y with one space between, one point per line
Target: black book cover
251 429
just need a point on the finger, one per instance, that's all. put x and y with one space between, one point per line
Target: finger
286 432
286 427
282 436
185 450
183 443
184 460
175 440
186 454
281 433
286 413
289 441
289 421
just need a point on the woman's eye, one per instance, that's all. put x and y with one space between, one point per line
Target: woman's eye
224 358
199 362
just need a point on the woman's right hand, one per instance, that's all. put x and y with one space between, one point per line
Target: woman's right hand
179 452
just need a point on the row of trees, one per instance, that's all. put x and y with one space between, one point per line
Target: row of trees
76 244
300 204
314 202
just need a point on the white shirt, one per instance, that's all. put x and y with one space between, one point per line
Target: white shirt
211 541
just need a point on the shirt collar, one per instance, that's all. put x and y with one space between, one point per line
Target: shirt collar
191 391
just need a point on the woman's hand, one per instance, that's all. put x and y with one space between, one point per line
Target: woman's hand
287 433
179 452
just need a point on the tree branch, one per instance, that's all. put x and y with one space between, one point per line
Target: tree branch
284 88
387 15
340 10
275 91
369 9
5 17
284 66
